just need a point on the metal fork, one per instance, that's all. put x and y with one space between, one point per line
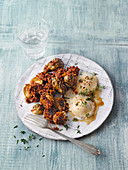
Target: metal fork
43 123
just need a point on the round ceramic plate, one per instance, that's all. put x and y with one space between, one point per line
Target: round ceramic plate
84 64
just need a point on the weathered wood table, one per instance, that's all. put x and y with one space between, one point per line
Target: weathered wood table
95 29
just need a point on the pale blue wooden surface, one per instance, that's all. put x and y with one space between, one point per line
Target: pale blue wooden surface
95 29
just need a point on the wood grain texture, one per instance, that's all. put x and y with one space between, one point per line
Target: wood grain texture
95 29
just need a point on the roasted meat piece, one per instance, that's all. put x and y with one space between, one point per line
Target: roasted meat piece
48 114
60 118
45 77
71 76
36 80
54 65
31 93
37 109
61 104
48 88
74 70
26 91
58 81
59 85
70 80
46 100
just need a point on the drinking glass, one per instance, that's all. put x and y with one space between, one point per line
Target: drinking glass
33 37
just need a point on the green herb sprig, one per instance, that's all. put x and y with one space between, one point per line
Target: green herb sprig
66 126
16 126
24 141
74 119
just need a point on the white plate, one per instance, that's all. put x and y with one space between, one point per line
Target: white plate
69 60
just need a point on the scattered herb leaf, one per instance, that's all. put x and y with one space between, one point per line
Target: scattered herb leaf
26 148
91 78
23 132
84 103
75 119
82 93
76 104
66 126
87 114
80 73
97 86
43 155
89 98
66 97
95 73
103 87
78 126
76 63
80 80
24 141
40 138
17 141
14 136
78 131
31 137
60 129
37 146
16 126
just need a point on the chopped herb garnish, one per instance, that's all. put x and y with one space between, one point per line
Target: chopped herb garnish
24 141
87 114
80 73
43 155
97 86
66 126
31 137
78 126
26 148
40 138
23 132
14 136
60 129
103 87
91 78
95 73
66 97
80 80
17 141
84 103
76 104
76 63
82 93
16 126
37 146
89 98
92 93
78 131
75 119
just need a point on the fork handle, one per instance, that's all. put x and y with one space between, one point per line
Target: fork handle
87 147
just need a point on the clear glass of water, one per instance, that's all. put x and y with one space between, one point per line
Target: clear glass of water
33 37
